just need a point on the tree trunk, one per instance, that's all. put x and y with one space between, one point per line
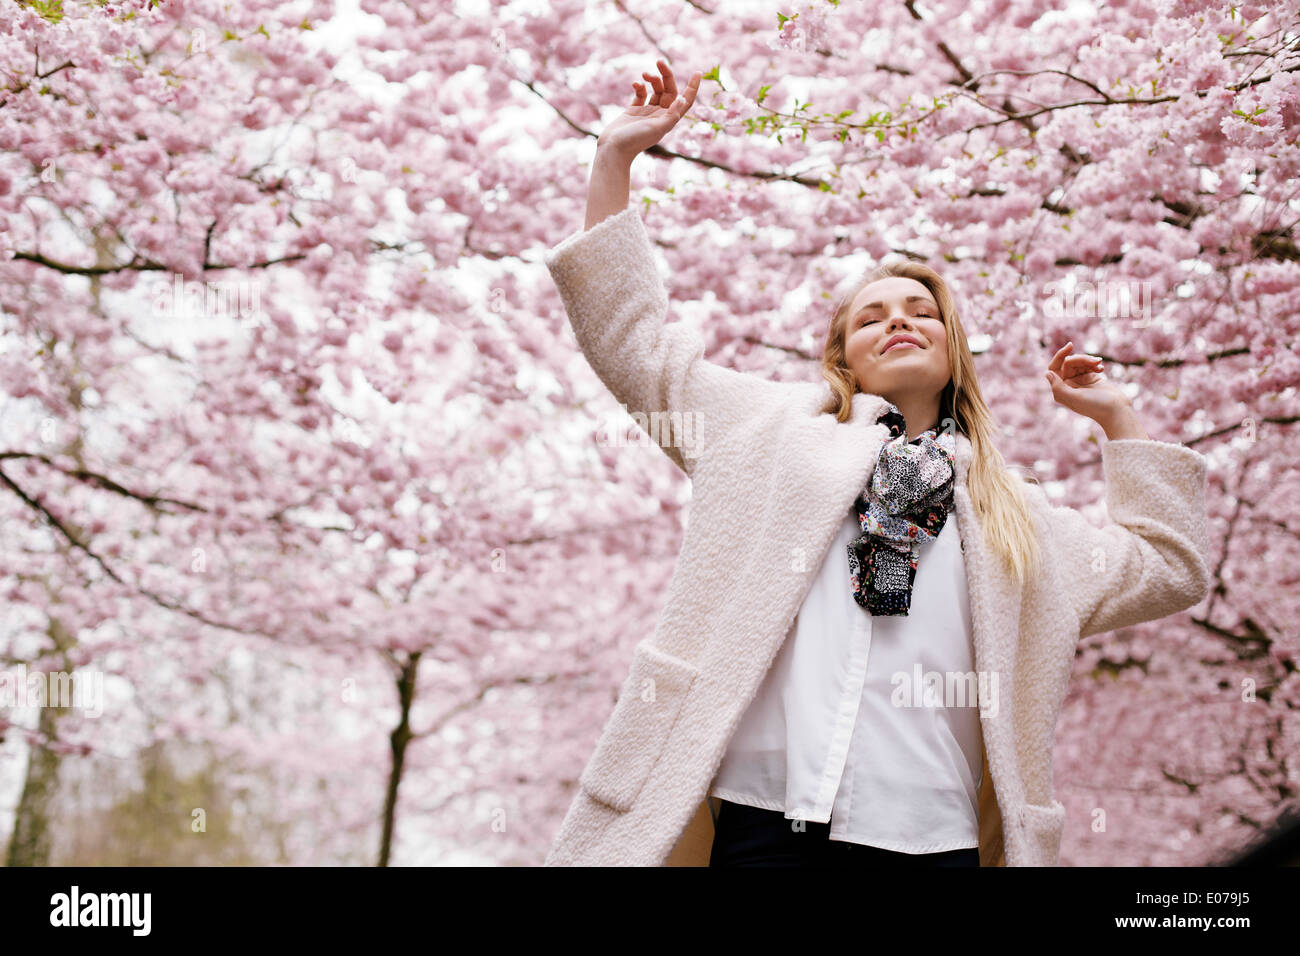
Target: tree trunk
30 843
398 740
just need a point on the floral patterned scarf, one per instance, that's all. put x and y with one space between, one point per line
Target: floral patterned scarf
904 505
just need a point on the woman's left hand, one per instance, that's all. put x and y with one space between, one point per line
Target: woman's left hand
1079 384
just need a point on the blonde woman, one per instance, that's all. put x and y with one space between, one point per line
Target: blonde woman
872 621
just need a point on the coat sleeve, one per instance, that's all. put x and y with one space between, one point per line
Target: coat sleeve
618 307
1151 560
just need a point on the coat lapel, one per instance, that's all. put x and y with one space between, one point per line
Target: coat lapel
813 468
995 614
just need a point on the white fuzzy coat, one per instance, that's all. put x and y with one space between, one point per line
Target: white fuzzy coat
771 480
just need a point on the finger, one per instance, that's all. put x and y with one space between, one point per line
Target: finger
657 84
1058 360
1078 365
686 99
638 94
692 88
1081 361
670 82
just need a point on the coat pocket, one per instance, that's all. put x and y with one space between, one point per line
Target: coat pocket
1043 828
637 730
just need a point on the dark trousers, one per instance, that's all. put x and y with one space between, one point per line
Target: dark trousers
752 836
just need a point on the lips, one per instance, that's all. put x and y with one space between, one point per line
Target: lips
901 340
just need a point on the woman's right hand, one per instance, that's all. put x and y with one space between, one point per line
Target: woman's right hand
644 124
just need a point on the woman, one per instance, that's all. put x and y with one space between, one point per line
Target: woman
860 572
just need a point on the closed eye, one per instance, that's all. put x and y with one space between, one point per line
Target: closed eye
919 315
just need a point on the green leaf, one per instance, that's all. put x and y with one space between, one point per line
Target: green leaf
763 93
51 10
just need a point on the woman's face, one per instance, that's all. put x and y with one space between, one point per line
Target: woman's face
886 309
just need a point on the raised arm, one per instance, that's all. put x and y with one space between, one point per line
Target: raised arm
640 126
618 306
1151 561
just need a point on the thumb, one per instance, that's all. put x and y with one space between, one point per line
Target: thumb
1051 378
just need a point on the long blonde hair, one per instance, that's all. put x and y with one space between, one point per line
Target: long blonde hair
996 493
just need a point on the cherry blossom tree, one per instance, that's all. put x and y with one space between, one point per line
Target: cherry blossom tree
285 381
249 411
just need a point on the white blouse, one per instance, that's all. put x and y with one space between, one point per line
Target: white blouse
823 741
